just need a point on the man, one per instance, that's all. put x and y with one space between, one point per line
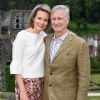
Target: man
67 70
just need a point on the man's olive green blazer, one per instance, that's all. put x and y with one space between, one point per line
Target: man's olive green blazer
67 77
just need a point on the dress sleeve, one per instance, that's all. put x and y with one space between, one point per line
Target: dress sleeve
17 54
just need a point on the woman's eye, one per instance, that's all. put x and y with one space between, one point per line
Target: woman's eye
46 20
38 18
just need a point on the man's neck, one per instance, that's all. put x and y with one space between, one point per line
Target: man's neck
60 34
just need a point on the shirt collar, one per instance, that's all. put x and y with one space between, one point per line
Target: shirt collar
62 37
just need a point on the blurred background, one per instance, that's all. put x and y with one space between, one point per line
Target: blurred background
84 21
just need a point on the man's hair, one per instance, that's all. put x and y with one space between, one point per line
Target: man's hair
64 8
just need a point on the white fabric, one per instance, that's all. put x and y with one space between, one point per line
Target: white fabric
28 55
95 43
90 41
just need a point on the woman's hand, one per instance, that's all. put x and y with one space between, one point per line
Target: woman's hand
23 95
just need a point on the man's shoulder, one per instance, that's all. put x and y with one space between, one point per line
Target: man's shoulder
77 38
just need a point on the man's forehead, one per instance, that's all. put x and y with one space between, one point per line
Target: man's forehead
57 11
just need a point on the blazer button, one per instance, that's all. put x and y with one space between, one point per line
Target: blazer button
50 85
50 73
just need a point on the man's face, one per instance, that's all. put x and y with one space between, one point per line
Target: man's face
59 21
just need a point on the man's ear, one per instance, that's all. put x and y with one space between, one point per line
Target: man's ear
67 22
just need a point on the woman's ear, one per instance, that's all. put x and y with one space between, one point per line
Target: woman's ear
32 22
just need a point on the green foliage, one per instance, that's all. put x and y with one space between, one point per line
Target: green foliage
4 5
95 64
94 28
92 10
91 28
10 80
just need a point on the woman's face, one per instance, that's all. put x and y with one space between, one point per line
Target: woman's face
40 21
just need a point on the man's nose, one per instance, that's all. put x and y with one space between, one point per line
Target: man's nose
56 21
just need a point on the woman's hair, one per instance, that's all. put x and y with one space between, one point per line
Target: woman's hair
65 8
40 7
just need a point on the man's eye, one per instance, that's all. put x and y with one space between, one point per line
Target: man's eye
59 18
53 19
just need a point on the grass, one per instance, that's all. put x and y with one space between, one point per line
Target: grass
95 78
93 98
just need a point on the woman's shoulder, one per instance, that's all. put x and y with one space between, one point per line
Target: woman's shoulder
43 33
20 34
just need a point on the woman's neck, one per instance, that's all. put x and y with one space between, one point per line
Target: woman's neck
32 30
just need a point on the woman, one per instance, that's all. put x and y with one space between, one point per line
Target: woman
28 55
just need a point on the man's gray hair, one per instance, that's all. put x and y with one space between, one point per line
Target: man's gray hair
65 8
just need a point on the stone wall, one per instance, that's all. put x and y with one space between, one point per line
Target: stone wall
7 96
15 20
2 64
10 23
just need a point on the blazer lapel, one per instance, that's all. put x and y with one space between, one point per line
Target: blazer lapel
48 47
66 43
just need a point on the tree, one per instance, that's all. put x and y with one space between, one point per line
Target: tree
4 5
81 10
78 12
12 4
92 10
24 4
